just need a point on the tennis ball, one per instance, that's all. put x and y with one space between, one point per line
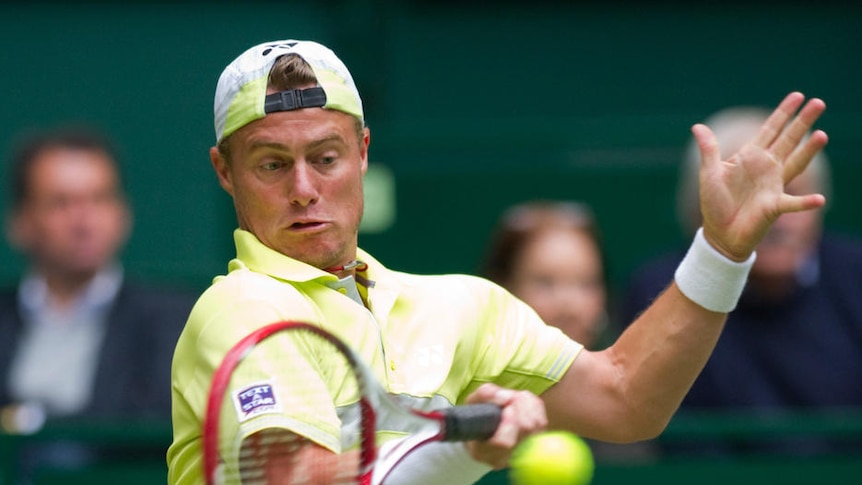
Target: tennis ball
552 458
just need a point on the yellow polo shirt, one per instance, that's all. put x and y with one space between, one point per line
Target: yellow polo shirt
430 339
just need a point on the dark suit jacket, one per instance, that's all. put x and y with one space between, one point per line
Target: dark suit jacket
801 353
133 377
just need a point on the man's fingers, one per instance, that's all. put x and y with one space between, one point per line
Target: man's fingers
508 431
798 203
802 156
776 122
523 414
710 153
790 138
490 393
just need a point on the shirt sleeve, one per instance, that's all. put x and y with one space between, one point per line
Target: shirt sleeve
279 383
517 349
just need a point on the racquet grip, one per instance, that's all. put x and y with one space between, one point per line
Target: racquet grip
472 422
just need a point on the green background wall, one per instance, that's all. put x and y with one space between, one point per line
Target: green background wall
472 105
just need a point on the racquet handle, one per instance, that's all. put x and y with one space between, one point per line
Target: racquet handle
471 422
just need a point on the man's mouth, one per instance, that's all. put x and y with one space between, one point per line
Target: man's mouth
305 225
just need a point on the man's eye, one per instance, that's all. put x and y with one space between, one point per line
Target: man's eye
271 165
327 160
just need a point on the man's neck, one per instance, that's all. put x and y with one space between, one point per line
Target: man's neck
65 288
772 288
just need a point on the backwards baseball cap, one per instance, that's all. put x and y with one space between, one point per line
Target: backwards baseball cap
241 97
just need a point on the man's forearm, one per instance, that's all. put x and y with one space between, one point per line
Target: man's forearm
661 354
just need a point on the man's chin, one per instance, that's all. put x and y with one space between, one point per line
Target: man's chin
81 272
320 252
316 259
774 269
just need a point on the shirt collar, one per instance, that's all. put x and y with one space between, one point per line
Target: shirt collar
99 292
260 258
380 285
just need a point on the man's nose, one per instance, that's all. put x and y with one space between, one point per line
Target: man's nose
303 191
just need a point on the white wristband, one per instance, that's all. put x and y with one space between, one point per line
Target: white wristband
710 279
435 463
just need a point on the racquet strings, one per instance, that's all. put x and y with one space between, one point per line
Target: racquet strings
300 374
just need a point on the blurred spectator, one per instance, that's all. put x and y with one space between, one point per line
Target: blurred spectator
77 338
549 254
794 342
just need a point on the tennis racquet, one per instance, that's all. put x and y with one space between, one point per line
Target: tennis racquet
291 403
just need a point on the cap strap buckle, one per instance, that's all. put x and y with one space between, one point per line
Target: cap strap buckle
294 99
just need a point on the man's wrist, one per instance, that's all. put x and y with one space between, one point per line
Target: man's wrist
711 279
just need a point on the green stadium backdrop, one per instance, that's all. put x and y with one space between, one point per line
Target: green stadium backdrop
473 106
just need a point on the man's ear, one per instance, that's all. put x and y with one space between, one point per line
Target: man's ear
222 170
363 148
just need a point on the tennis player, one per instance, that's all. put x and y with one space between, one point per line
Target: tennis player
291 150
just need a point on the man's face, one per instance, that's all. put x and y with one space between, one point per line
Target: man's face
74 218
792 237
559 273
296 181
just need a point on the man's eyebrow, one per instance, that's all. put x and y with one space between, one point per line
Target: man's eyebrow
335 137
259 145
273 145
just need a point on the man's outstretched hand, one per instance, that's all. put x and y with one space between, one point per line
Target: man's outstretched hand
740 197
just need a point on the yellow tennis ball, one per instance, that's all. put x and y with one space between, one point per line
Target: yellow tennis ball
552 458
